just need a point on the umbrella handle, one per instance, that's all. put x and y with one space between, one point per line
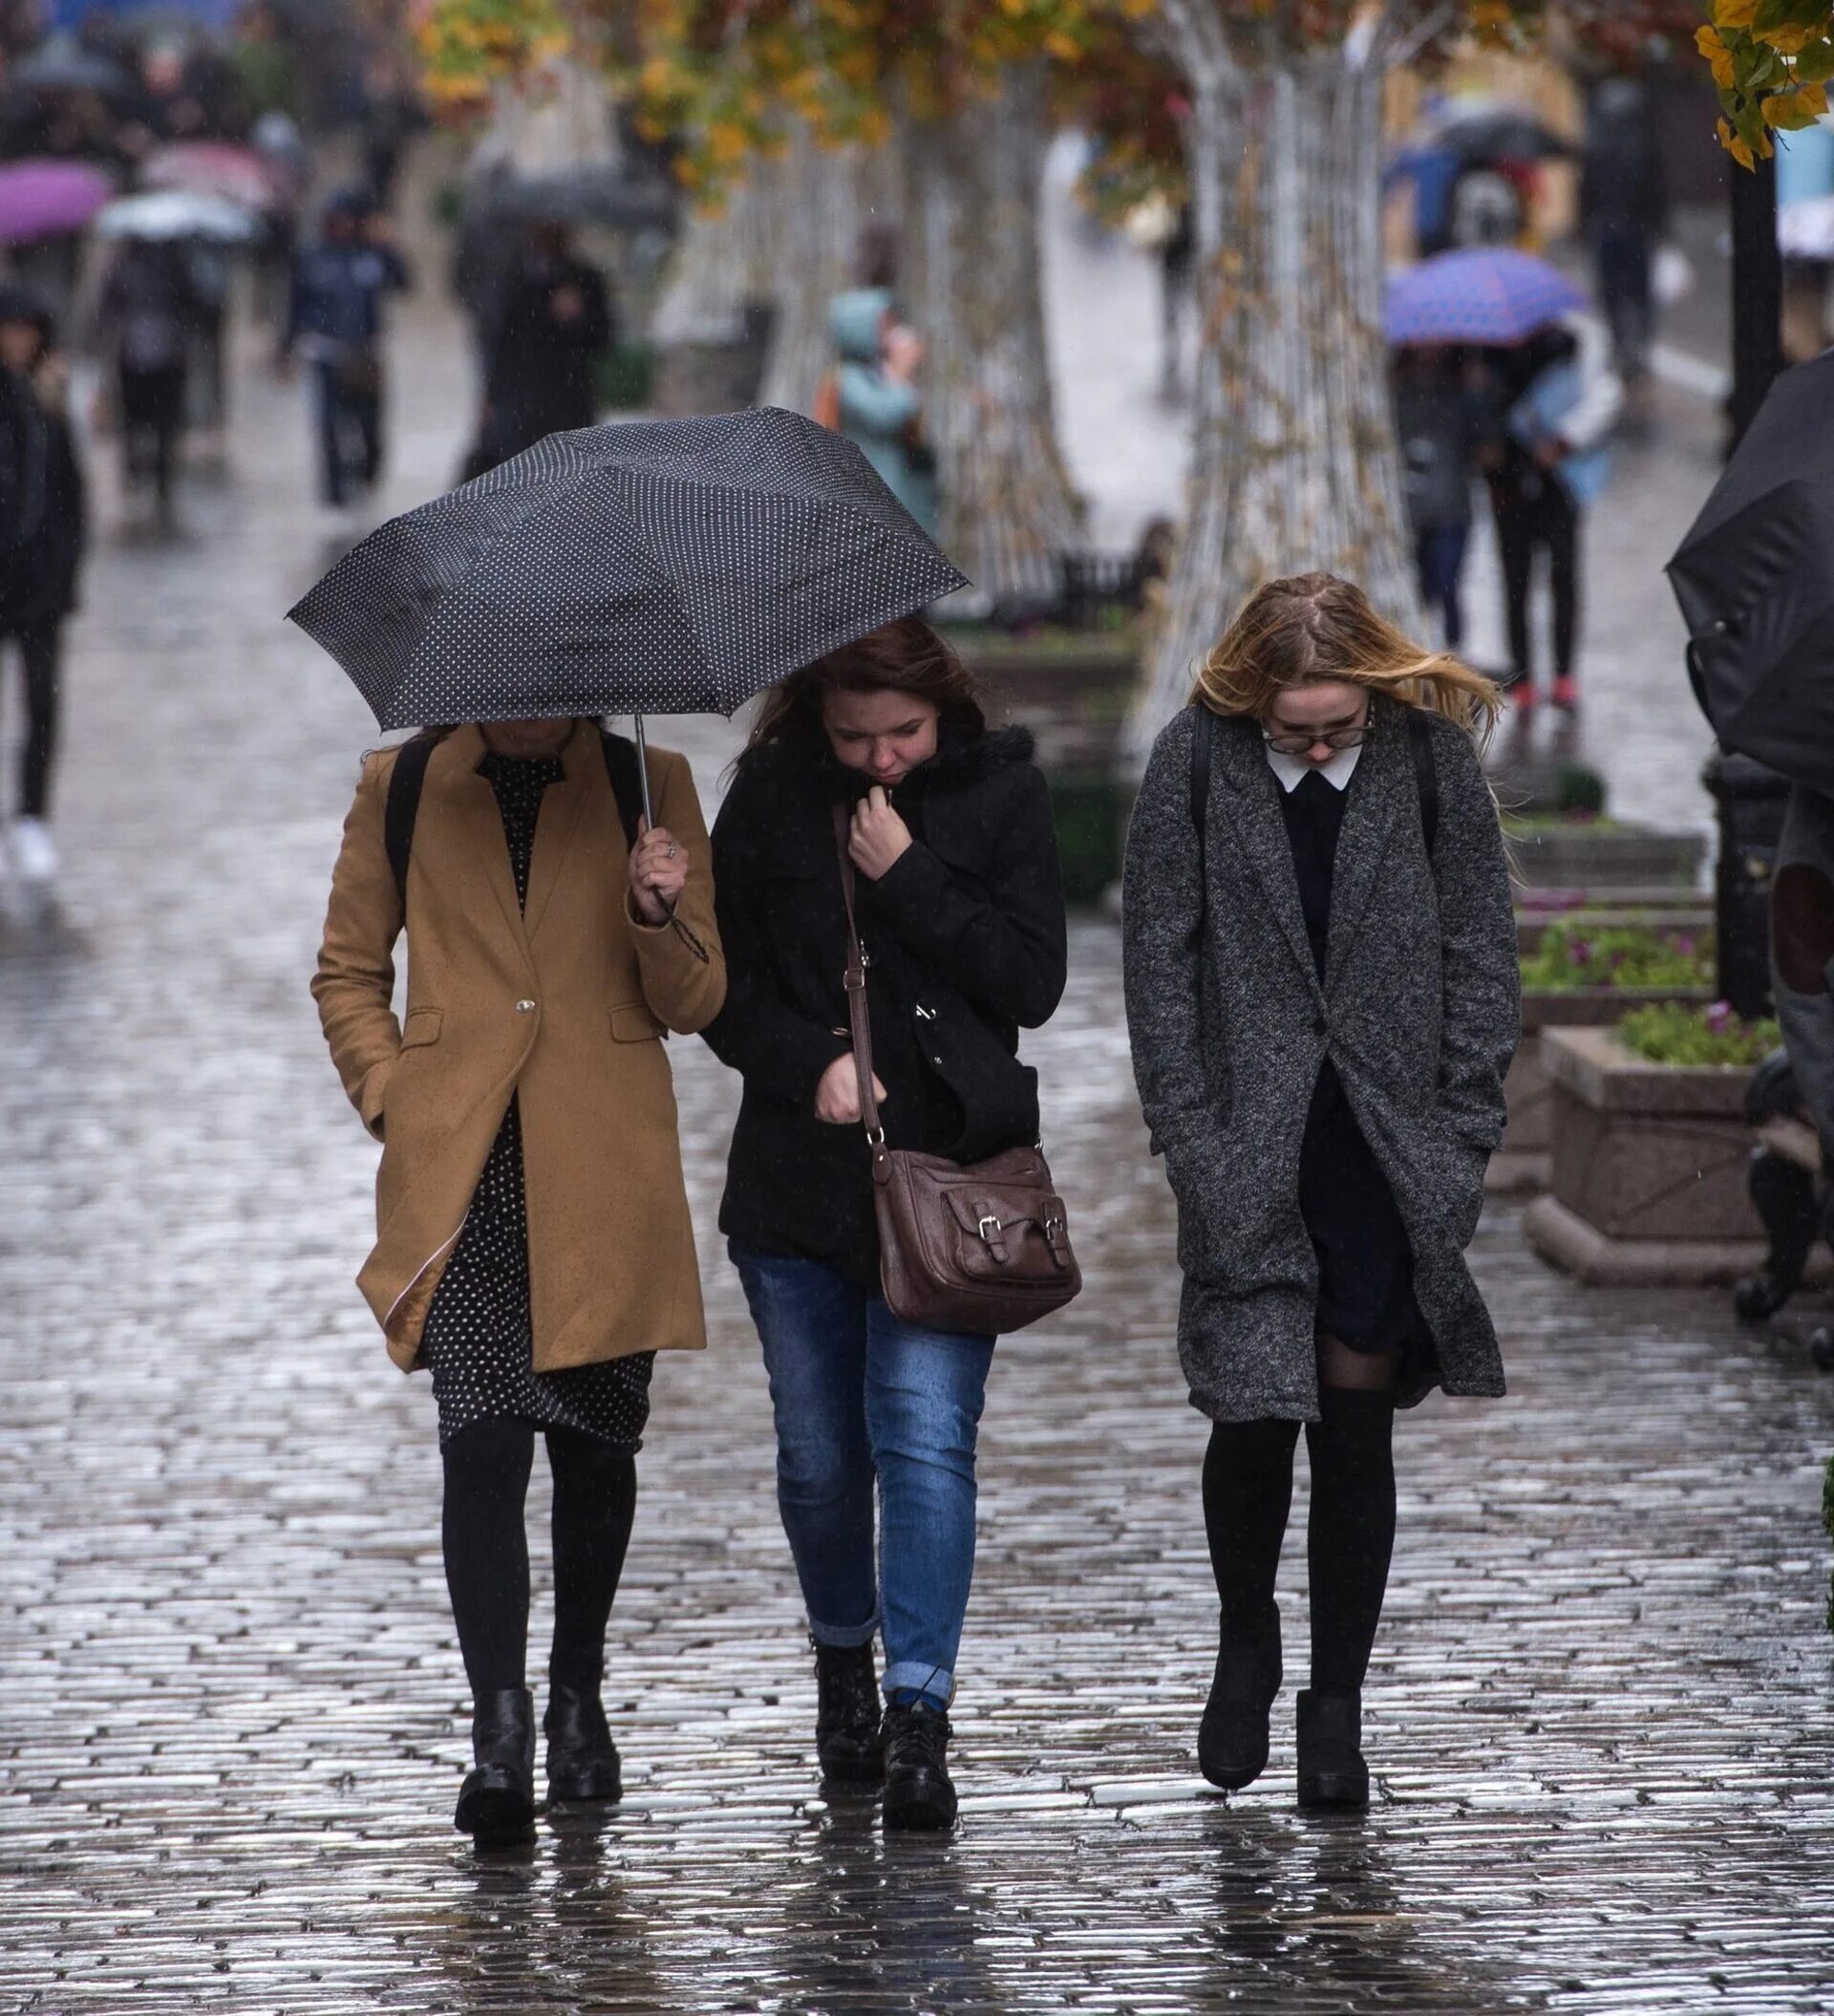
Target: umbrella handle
1697 680
643 771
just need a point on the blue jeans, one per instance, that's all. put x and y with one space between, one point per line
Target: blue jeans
860 1396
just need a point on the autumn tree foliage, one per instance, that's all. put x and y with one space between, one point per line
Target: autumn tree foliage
1772 61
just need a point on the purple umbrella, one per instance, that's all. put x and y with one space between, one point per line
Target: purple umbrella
1489 294
46 199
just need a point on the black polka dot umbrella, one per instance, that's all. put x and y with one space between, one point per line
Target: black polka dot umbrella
646 567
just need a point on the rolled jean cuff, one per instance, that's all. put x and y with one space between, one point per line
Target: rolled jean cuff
912 1676
844 1636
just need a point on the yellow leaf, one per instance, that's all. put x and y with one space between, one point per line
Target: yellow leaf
1738 149
1707 41
1735 13
1789 40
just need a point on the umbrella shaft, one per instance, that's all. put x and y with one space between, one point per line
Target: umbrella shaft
643 771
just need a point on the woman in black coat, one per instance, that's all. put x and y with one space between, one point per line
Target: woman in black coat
961 914
40 575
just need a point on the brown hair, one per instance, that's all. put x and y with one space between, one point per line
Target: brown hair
1307 626
903 656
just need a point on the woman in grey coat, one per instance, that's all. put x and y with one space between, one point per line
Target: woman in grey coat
1322 998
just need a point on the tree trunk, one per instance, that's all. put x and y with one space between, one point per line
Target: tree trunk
971 284
830 194
722 265
1294 465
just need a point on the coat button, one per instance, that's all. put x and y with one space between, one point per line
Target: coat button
525 1007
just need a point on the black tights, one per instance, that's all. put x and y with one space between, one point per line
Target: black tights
1248 1492
487 1545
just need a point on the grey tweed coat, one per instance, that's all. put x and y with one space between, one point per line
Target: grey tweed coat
1419 1011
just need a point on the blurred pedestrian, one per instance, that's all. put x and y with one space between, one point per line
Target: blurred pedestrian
1322 998
960 903
46 506
552 329
1552 403
334 321
534 1246
390 115
1624 207
147 315
876 400
1438 423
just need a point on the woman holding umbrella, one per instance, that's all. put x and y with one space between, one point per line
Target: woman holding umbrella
534 1248
535 1245
950 838
1322 998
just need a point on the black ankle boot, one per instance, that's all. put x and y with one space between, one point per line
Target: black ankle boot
1232 1737
582 1759
1331 1771
497 1803
918 1790
849 1738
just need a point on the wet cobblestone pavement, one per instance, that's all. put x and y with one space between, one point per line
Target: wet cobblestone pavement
230 1708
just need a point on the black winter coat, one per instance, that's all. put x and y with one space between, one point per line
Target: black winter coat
967 942
542 370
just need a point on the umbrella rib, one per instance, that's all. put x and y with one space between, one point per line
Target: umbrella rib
542 506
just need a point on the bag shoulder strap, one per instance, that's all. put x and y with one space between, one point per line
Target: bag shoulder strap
859 1021
403 803
1426 777
627 782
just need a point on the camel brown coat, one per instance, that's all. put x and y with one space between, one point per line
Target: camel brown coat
565 1004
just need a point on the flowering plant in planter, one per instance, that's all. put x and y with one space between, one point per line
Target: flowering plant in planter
1571 956
1672 1033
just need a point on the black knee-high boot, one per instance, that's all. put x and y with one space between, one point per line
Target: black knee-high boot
1247 1494
595 1501
1349 1542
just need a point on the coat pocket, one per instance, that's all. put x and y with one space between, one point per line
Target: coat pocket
631 1023
422 1026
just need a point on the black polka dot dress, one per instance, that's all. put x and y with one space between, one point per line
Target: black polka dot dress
477 1341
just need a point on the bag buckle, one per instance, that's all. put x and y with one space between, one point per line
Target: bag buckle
984 1223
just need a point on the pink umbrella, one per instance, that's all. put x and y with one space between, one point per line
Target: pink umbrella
47 199
212 169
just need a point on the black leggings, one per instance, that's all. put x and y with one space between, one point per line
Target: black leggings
486 1546
39 655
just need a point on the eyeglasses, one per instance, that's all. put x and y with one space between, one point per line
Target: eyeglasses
1331 738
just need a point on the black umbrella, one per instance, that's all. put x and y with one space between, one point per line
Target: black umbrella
647 567
1755 587
1506 136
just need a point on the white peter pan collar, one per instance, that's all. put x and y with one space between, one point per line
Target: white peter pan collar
1337 773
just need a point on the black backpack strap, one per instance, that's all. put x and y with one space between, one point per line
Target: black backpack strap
626 780
403 803
1202 744
1426 776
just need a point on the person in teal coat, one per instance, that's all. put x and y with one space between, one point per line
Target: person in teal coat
879 405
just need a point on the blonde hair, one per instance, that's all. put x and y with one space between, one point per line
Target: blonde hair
1307 626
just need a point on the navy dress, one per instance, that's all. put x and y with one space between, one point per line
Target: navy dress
479 1344
1365 1262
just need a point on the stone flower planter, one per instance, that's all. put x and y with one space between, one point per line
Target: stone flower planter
1606 862
1648 1166
1683 914
1521 1166
1073 690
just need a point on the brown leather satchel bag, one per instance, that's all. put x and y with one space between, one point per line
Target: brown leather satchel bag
982 1247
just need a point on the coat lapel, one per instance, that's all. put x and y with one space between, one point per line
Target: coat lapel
452 776
558 826
1375 797
1252 797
